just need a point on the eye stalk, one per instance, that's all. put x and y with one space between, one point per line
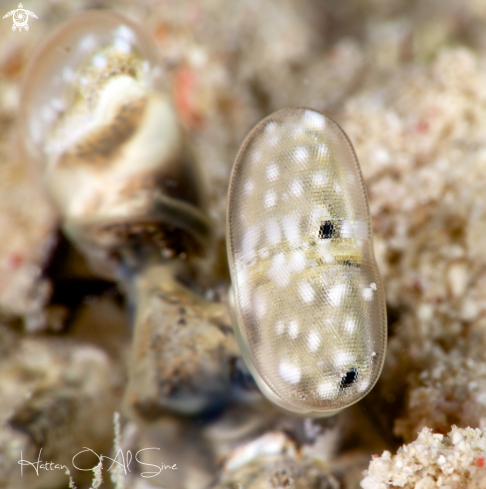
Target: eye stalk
308 304
98 124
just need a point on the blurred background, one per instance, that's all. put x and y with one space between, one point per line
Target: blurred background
407 82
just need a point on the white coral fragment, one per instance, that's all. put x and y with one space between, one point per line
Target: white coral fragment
433 460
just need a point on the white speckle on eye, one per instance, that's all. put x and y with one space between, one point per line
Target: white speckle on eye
278 260
68 74
296 188
260 304
319 179
344 359
249 242
256 156
293 329
354 229
328 257
281 278
306 292
270 198
88 43
336 294
125 33
373 286
350 326
338 188
273 232
373 354
273 140
58 105
99 61
244 296
314 120
242 275
346 229
290 224
367 293
322 150
297 262
273 172
327 390
279 273
248 187
279 327
83 81
363 385
289 372
270 127
313 341
301 154
122 45
297 132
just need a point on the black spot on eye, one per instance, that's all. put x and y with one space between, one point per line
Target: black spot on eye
327 230
349 378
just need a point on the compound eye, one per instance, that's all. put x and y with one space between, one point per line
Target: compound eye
309 306
74 61
109 147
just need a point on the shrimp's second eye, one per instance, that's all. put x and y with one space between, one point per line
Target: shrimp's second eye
308 305
116 163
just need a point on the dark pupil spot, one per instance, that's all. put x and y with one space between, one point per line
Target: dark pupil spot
326 231
350 378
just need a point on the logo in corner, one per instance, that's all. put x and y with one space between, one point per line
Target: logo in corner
20 17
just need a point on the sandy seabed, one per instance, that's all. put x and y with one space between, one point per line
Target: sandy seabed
407 82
